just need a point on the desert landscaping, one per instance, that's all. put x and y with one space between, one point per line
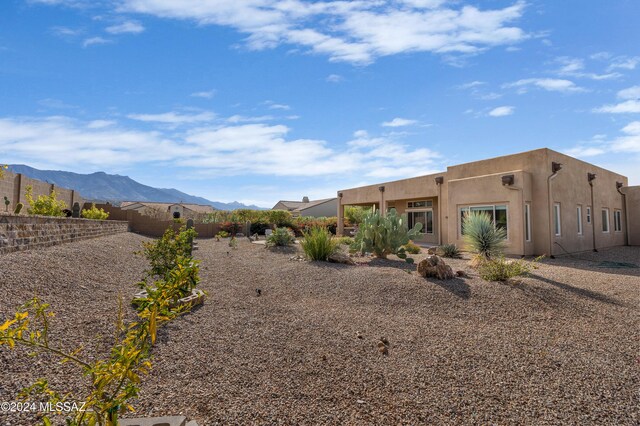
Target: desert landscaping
325 343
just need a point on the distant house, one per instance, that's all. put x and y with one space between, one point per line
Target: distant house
306 207
167 210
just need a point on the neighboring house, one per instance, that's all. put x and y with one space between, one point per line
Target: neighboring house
167 210
314 208
548 202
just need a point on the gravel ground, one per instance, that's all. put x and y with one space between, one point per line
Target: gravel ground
559 347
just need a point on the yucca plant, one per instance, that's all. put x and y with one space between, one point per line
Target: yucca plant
318 243
481 236
450 250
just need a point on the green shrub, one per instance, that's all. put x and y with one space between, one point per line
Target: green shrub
279 218
355 215
481 236
318 244
345 240
164 252
94 213
18 208
385 235
412 248
45 205
501 269
281 237
450 250
222 234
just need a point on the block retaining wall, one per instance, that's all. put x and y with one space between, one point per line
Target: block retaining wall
19 233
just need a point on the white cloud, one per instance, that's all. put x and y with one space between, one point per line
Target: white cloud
209 150
550 84
399 122
502 111
627 107
243 119
280 106
66 31
355 31
574 67
632 128
627 143
55 104
95 41
334 78
174 117
128 27
208 94
632 92
624 63
471 85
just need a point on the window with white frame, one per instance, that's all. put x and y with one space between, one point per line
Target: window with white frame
617 220
605 220
557 223
527 222
588 214
418 204
579 218
497 214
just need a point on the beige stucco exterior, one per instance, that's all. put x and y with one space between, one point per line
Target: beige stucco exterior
533 184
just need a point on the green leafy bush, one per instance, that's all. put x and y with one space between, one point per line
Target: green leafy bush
501 269
318 244
45 205
412 248
281 237
345 240
481 236
385 235
450 250
355 215
164 252
279 218
94 213
222 234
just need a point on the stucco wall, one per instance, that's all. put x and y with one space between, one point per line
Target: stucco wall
27 232
633 214
14 187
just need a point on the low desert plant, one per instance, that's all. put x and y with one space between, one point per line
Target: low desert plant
345 240
164 252
318 244
2 169
45 205
222 234
501 269
94 213
18 208
481 236
412 248
450 250
281 237
385 235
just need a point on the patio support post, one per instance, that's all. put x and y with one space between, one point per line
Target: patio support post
383 202
340 230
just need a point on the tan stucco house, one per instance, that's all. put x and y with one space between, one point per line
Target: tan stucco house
314 208
548 202
185 210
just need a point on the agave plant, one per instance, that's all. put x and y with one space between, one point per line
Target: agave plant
385 235
481 236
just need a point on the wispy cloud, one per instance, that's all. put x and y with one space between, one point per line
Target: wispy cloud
502 111
334 78
575 67
549 84
630 105
66 32
55 104
628 142
624 62
399 122
174 117
127 27
208 94
632 92
360 31
92 41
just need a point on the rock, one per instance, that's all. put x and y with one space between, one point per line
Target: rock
434 267
462 274
339 257
431 250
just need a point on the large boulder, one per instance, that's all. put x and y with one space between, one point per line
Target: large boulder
434 267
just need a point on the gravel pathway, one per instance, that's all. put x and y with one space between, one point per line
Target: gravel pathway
560 347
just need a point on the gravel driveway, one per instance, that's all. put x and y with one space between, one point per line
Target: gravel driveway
560 347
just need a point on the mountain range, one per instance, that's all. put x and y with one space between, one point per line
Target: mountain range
101 186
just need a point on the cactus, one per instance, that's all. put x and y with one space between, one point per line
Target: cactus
18 208
6 204
385 235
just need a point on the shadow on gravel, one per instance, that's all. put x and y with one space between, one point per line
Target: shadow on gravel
582 292
456 286
388 263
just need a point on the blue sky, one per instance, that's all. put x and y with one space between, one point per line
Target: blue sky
261 100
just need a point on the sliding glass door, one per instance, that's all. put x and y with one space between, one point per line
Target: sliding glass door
425 217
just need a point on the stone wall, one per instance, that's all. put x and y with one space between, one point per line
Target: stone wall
27 232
